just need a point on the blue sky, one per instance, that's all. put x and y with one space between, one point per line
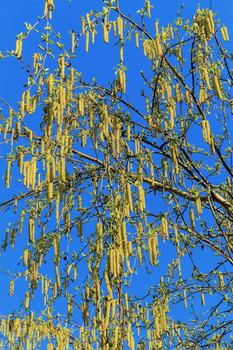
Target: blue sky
99 63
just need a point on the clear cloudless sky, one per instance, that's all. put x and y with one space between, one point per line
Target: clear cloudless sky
99 63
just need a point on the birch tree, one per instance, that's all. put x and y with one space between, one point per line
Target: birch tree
119 217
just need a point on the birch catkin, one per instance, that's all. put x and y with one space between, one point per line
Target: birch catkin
198 202
120 26
192 219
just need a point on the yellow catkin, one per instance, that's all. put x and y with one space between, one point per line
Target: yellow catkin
141 198
83 25
112 261
88 20
148 8
12 284
121 53
192 219
179 270
228 182
57 276
75 272
61 66
204 130
129 197
211 19
69 269
212 146
99 241
202 299
27 299
18 48
128 132
8 175
27 105
152 173
39 87
50 84
17 129
31 223
185 299
208 29
223 34
35 60
136 39
171 32
157 27
87 41
198 202
206 76
15 205
108 285
164 228
72 41
150 250
22 105
124 236
144 45
171 122
216 86
107 29
226 33
25 257
221 281
120 26
114 24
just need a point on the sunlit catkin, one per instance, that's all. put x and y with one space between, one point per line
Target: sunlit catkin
185 299
211 19
22 105
148 8
141 198
121 53
87 41
61 66
204 130
216 86
105 32
164 228
157 27
221 281
136 39
27 299
120 26
50 84
18 48
212 146
129 197
83 25
192 219
202 299
72 41
171 32
25 257
226 33
31 229
198 202
8 174
223 33
75 272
